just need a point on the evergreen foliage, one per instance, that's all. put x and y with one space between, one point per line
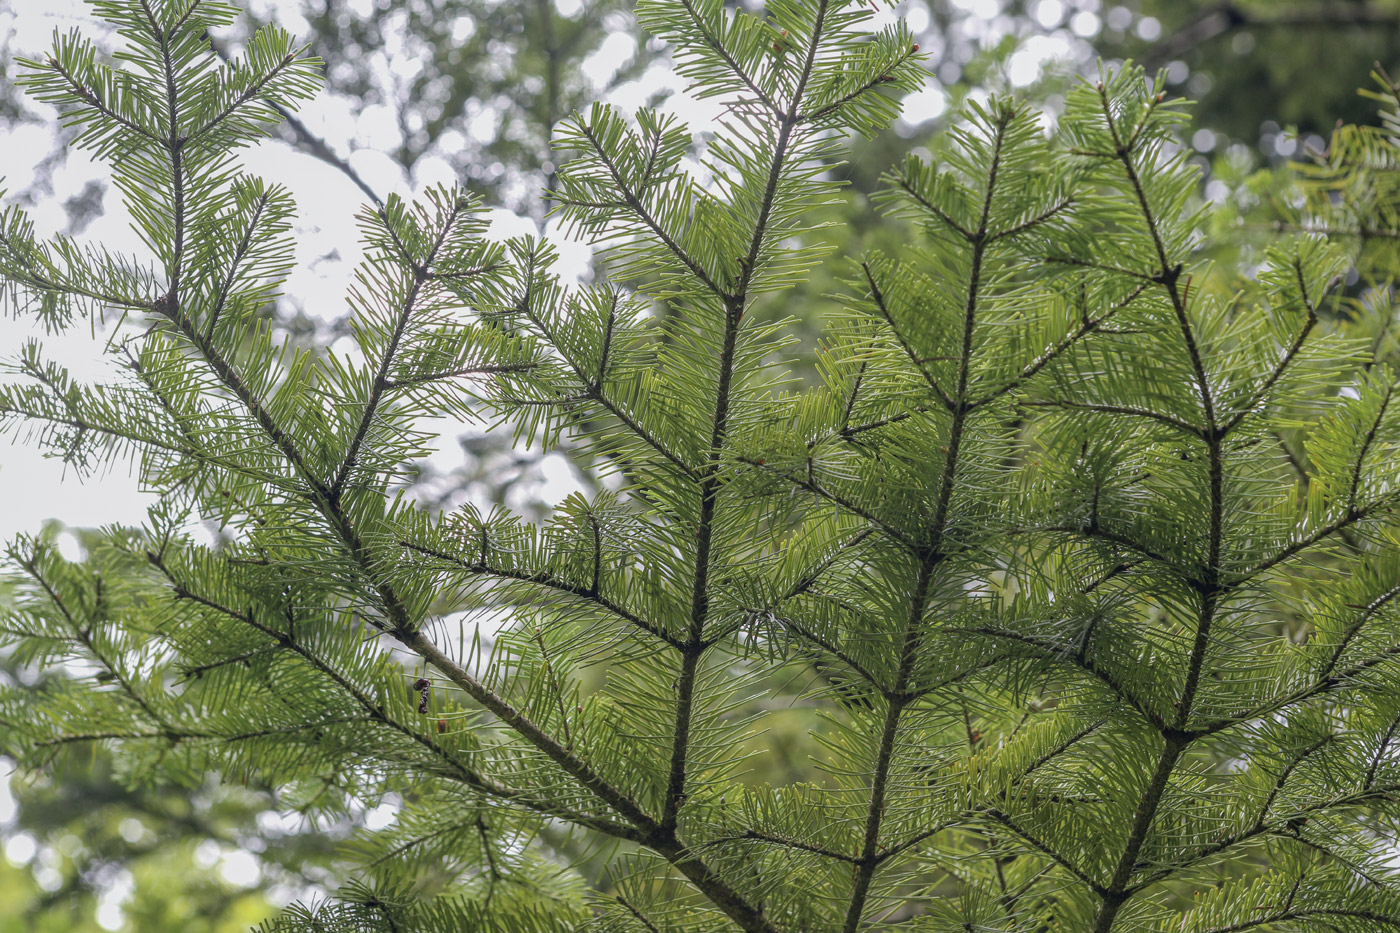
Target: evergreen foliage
1083 551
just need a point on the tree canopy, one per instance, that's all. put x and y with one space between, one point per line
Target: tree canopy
1062 599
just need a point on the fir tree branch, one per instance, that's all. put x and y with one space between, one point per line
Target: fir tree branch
714 44
992 841
1291 353
175 147
711 475
864 88
1047 850
239 253
1354 489
1354 511
1098 532
155 443
1092 264
381 381
632 199
593 389
1031 223
783 842
878 297
180 736
1040 762
641 917
1329 679
247 94
1172 421
401 627
83 635
817 489
88 96
587 594
1208 587
832 649
854 430
918 197
1087 327
1306 913
379 714
1058 654
1285 828
308 141
931 554
484 369
1384 746
1286 773
25 274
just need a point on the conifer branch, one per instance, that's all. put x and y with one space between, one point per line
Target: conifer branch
930 554
714 44
710 484
1172 421
810 484
1209 587
633 200
918 197
1284 775
26 274
1308 913
589 594
1047 850
154 443
1059 654
381 382
1288 827
641 917
855 430
401 625
879 298
1050 213
1354 513
308 141
1087 327
88 96
1329 679
1289 355
1385 744
83 635
593 388
484 369
783 842
835 651
865 87
954 610
239 253
253 90
1082 263
175 146
379 714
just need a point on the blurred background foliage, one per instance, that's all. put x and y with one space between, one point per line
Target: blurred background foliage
479 85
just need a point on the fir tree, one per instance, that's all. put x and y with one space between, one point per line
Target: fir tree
1084 550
